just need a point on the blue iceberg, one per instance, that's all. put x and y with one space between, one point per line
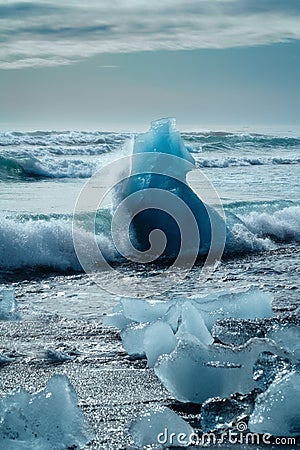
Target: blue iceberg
168 217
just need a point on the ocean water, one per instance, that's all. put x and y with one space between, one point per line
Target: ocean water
41 175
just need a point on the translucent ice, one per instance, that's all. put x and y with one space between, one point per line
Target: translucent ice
44 420
193 323
221 413
160 427
277 410
8 307
133 339
238 331
159 339
161 162
250 304
269 368
134 310
194 372
287 337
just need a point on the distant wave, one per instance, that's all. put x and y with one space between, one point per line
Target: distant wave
66 138
245 161
212 141
29 167
46 241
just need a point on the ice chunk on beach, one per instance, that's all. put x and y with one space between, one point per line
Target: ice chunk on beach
269 368
140 310
44 420
159 339
135 310
133 339
194 372
250 304
287 337
8 306
193 323
221 413
160 427
238 331
116 320
277 410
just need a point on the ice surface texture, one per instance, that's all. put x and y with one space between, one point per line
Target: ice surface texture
8 306
277 410
44 420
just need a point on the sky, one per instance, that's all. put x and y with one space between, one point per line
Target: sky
116 65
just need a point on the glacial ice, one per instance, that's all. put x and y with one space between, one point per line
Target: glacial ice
8 306
221 413
192 316
133 339
47 419
238 331
250 304
270 367
193 323
160 426
277 410
194 372
159 339
287 337
56 356
161 162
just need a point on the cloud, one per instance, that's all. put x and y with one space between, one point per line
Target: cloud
44 33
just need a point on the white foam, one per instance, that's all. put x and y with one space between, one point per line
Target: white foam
283 225
42 243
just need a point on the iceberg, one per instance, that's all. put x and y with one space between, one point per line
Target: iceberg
269 368
168 217
160 427
133 339
277 411
8 306
45 420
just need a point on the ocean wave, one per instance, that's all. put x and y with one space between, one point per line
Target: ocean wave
29 167
43 244
210 141
47 241
244 161
282 225
69 138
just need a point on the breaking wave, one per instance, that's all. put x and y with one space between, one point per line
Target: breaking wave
47 242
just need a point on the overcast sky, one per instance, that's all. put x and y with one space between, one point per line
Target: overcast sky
111 64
